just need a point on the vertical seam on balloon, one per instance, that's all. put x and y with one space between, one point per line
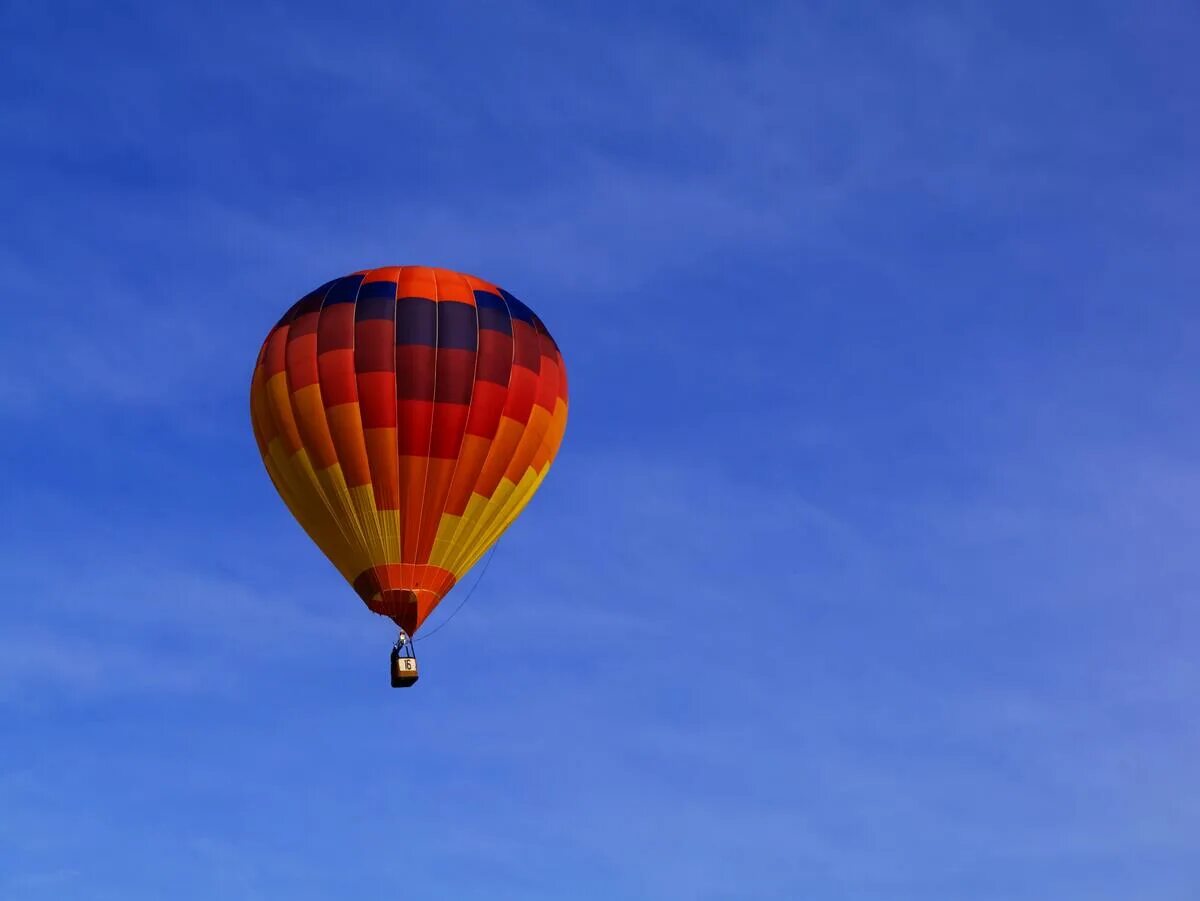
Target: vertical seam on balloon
278 477
376 525
501 517
390 543
478 528
418 567
463 437
395 406
316 476
316 479
302 485
359 535
396 413
455 555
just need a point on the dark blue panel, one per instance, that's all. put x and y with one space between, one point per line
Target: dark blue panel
344 290
416 321
310 304
374 307
456 325
518 310
307 304
493 312
377 289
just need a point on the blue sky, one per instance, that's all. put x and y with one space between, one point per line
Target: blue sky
867 571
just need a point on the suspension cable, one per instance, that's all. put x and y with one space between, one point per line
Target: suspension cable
462 603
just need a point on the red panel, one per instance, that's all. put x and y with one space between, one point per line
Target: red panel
487 403
377 397
335 329
339 385
404 591
449 423
414 422
375 345
277 351
526 350
547 389
521 393
301 360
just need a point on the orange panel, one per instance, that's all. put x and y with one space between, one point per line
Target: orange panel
470 463
339 383
416 281
314 429
552 438
437 489
280 403
413 470
478 284
381 451
451 286
531 440
345 428
383 274
500 455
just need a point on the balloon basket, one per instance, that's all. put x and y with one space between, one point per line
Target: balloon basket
404 668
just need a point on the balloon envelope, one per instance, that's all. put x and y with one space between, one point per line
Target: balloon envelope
406 416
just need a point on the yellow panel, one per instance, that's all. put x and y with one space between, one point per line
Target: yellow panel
463 540
308 506
521 494
333 483
480 511
381 543
443 544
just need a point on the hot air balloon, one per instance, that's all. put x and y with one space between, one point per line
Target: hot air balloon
406 416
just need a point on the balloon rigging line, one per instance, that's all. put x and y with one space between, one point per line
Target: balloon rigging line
462 603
